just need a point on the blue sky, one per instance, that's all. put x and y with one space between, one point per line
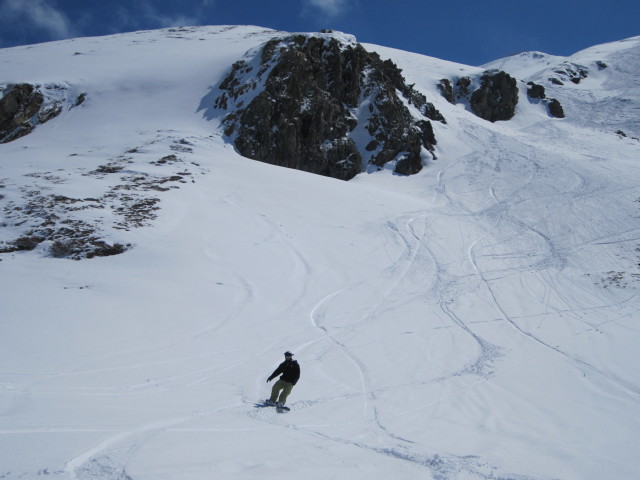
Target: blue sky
470 32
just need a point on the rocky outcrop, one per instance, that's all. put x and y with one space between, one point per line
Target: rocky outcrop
446 89
323 104
24 106
17 108
492 96
538 93
571 72
555 108
497 97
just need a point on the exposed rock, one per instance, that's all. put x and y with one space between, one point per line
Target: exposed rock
621 134
298 101
463 86
572 72
27 242
17 107
80 227
80 100
494 99
497 97
24 106
536 91
447 90
555 109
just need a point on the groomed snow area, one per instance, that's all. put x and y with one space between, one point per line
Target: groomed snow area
478 320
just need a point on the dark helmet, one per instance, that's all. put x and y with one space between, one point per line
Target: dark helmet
288 354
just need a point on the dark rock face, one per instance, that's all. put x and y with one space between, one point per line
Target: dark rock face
325 106
555 109
537 92
446 89
24 106
494 100
17 107
497 97
463 86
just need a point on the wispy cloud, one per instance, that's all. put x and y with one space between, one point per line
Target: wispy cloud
144 14
36 15
330 8
153 15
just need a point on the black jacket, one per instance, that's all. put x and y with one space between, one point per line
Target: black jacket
290 371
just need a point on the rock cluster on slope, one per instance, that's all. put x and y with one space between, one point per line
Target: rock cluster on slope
537 92
493 96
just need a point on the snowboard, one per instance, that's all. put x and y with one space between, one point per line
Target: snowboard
282 409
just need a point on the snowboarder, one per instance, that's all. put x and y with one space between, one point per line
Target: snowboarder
290 371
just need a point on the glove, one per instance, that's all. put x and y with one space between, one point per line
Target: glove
268 380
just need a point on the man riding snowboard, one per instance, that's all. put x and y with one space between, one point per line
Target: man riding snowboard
290 371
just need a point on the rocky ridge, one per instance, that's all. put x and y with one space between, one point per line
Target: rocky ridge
323 104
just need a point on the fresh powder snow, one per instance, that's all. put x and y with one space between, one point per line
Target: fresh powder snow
478 320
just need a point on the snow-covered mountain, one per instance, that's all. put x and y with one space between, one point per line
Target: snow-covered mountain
475 320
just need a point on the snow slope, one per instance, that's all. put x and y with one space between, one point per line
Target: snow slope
475 321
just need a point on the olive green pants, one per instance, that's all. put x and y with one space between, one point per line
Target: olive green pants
283 388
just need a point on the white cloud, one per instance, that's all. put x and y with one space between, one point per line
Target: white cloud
152 15
144 14
332 8
36 15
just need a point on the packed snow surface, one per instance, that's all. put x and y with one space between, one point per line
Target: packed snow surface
478 320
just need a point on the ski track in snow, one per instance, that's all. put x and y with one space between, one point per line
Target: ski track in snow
413 244
581 365
551 258
555 258
108 459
